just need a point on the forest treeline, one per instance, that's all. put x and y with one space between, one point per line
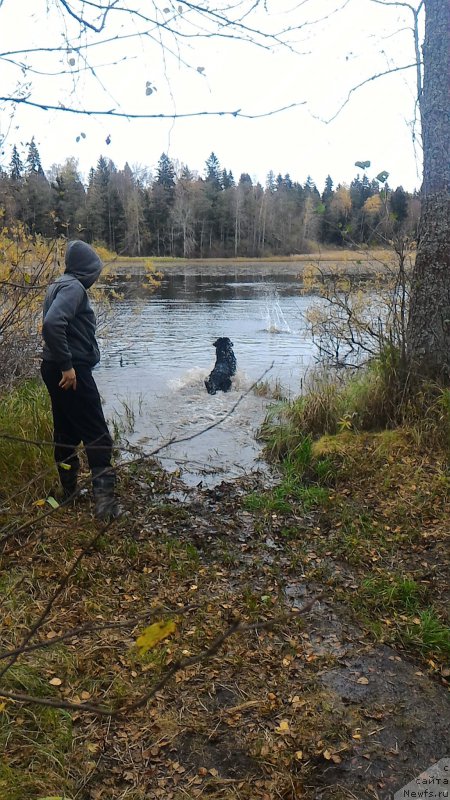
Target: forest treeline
176 212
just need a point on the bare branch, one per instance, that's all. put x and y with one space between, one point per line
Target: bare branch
415 12
93 627
62 583
359 85
83 22
54 703
394 3
112 113
205 655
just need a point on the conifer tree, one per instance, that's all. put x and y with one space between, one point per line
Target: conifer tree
213 172
34 166
16 165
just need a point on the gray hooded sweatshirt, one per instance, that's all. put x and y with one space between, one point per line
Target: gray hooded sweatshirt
68 320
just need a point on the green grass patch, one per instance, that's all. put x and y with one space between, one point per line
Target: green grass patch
428 633
399 595
398 609
43 737
294 492
29 468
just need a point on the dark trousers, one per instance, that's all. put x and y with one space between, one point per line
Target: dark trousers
78 417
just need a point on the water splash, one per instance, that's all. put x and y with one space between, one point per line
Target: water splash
192 378
275 321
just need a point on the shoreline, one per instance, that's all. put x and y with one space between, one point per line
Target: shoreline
364 265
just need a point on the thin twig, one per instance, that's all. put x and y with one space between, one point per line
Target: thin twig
93 627
13 531
126 115
62 583
205 655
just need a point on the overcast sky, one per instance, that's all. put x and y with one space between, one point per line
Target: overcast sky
325 61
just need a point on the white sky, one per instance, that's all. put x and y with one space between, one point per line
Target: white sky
333 56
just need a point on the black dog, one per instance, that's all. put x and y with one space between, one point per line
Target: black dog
224 367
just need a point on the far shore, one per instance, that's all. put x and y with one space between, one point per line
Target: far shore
359 263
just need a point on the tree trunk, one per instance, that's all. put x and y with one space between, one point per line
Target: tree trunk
428 334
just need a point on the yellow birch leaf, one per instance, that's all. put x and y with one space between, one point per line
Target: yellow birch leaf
39 503
283 727
153 634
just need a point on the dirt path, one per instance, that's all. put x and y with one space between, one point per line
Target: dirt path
312 708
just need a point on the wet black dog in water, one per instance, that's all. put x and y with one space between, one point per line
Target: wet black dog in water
224 368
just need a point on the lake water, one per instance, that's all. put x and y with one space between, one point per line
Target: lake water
157 350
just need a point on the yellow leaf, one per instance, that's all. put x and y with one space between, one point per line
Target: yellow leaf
153 634
299 755
39 503
55 682
2 706
363 680
283 727
327 754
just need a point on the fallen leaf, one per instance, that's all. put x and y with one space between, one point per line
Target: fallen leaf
364 681
55 682
153 634
52 502
283 727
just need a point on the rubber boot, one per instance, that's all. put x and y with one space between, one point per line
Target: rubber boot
106 506
68 475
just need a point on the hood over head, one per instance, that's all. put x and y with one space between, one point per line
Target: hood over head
83 262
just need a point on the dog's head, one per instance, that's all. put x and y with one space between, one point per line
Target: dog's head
222 344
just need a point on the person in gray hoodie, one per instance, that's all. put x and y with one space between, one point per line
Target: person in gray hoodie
70 352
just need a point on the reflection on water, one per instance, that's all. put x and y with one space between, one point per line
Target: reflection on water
157 351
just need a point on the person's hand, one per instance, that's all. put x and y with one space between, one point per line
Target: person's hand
68 380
